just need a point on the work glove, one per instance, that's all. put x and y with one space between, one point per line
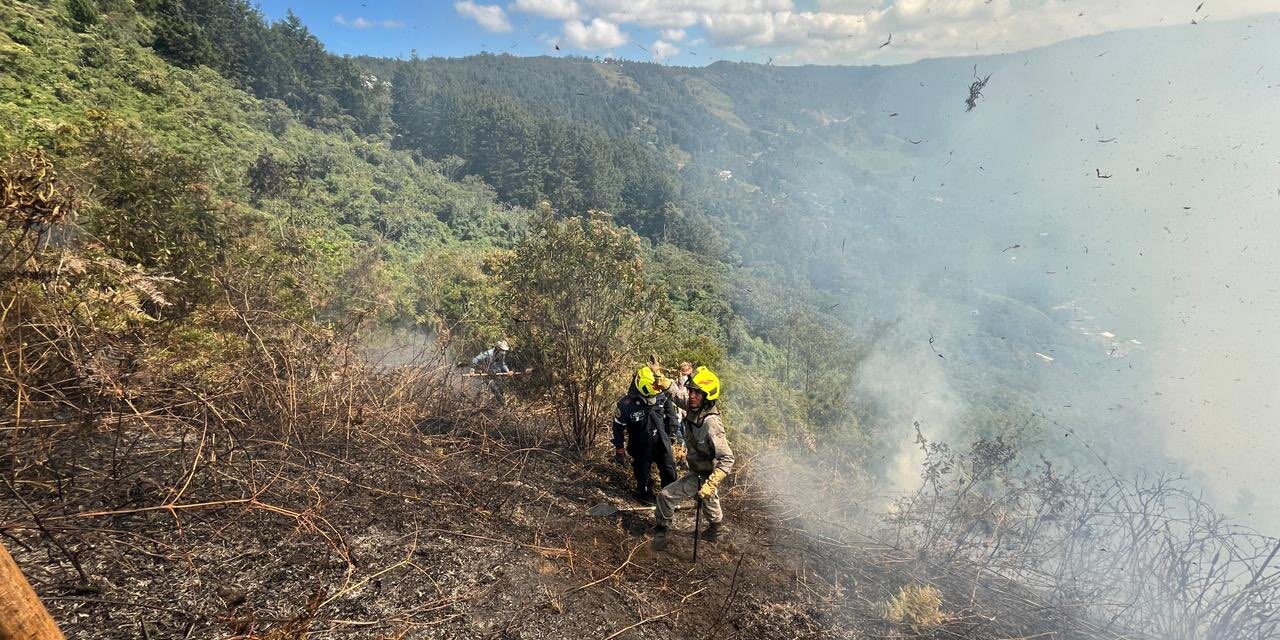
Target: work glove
708 488
662 383
620 455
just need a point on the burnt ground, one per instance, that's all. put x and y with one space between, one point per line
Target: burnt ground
473 524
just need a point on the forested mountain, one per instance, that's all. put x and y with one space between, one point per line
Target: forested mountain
856 203
884 205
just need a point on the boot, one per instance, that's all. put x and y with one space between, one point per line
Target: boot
713 532
659 537
644 497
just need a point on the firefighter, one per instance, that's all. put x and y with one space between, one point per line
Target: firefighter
708 455
645 421
493 360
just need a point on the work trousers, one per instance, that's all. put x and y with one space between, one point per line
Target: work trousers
683 489
646 452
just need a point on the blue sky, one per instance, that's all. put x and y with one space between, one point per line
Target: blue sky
697 32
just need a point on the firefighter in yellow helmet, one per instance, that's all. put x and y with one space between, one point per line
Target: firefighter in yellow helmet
708 454
645 422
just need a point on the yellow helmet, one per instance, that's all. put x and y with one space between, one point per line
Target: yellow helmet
644 381
705 381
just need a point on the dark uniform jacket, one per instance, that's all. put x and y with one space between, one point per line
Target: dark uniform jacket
643 423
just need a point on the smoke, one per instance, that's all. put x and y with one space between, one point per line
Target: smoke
904 381
1093 245
393 347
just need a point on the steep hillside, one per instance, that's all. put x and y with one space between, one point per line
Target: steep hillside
197 266
1055 218
468 524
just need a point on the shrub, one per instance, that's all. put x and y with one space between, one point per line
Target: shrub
33 200
83 13
580 302
152 207
67 310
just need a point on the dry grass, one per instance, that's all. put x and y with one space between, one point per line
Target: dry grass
920 607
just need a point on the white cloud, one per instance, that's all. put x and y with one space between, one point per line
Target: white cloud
739 30
851 31
677 14
661 50
599 34
781 28
554 9
848 6
936 28
659 19
360 22
926 11
489 16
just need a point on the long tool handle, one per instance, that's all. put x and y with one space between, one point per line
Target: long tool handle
22 615
697 527
509 374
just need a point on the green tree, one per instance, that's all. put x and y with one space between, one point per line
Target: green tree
152 207
83 13
581 303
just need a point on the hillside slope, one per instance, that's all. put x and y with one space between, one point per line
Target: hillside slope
234 292
196 442
880 200
470 525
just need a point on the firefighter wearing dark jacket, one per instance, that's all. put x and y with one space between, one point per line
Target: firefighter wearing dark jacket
645 421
